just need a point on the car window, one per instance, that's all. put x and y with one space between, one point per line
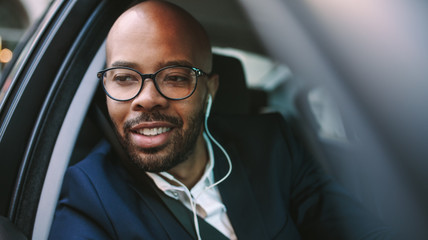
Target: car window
17 17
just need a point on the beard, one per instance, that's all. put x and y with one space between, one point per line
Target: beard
181 145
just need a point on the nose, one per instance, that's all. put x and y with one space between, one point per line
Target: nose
149 98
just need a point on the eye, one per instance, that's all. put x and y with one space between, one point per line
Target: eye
125 79
174 77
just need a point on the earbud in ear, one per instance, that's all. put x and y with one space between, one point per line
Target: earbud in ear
209 103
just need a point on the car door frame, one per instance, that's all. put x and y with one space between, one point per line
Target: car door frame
37 104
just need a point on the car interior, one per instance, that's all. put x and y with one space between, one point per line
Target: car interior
233 97
72 118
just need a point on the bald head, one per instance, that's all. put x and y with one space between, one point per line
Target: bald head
157 28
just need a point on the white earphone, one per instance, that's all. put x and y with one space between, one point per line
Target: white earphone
207 114
209 104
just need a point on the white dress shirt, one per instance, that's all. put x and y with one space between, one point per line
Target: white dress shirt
207 200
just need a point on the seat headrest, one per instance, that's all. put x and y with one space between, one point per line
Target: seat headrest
233 96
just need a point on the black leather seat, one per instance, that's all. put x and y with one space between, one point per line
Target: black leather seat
233 96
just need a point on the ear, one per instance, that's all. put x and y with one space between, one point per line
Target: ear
212 84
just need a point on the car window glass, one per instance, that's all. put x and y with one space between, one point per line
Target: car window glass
16 18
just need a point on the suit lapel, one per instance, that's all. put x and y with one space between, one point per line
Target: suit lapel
238 197
143 186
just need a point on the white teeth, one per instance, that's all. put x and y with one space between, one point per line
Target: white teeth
153 131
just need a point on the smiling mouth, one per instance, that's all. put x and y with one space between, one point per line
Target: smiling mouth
153 131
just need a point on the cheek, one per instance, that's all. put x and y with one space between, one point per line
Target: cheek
190 111
118 112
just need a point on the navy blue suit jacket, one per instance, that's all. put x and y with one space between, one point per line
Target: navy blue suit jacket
275 191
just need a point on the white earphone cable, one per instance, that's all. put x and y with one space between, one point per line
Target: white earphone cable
207 114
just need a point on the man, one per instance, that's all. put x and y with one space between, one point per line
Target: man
177 181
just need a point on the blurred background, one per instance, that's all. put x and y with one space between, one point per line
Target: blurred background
15 18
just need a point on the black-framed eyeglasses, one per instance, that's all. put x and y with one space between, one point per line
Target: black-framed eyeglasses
172 82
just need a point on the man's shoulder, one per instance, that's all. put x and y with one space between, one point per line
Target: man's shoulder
95 158
95 167
96 175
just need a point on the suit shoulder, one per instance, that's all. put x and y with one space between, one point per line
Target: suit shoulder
100 152
86 196
91 176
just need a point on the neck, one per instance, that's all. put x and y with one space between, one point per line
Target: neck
190 171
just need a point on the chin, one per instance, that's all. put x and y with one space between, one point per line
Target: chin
157 160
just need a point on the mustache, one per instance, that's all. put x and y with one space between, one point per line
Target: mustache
153 116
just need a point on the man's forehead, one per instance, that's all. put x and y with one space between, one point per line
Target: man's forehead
163 23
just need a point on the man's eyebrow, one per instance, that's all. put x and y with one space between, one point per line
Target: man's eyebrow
175 62
158 66
124 64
